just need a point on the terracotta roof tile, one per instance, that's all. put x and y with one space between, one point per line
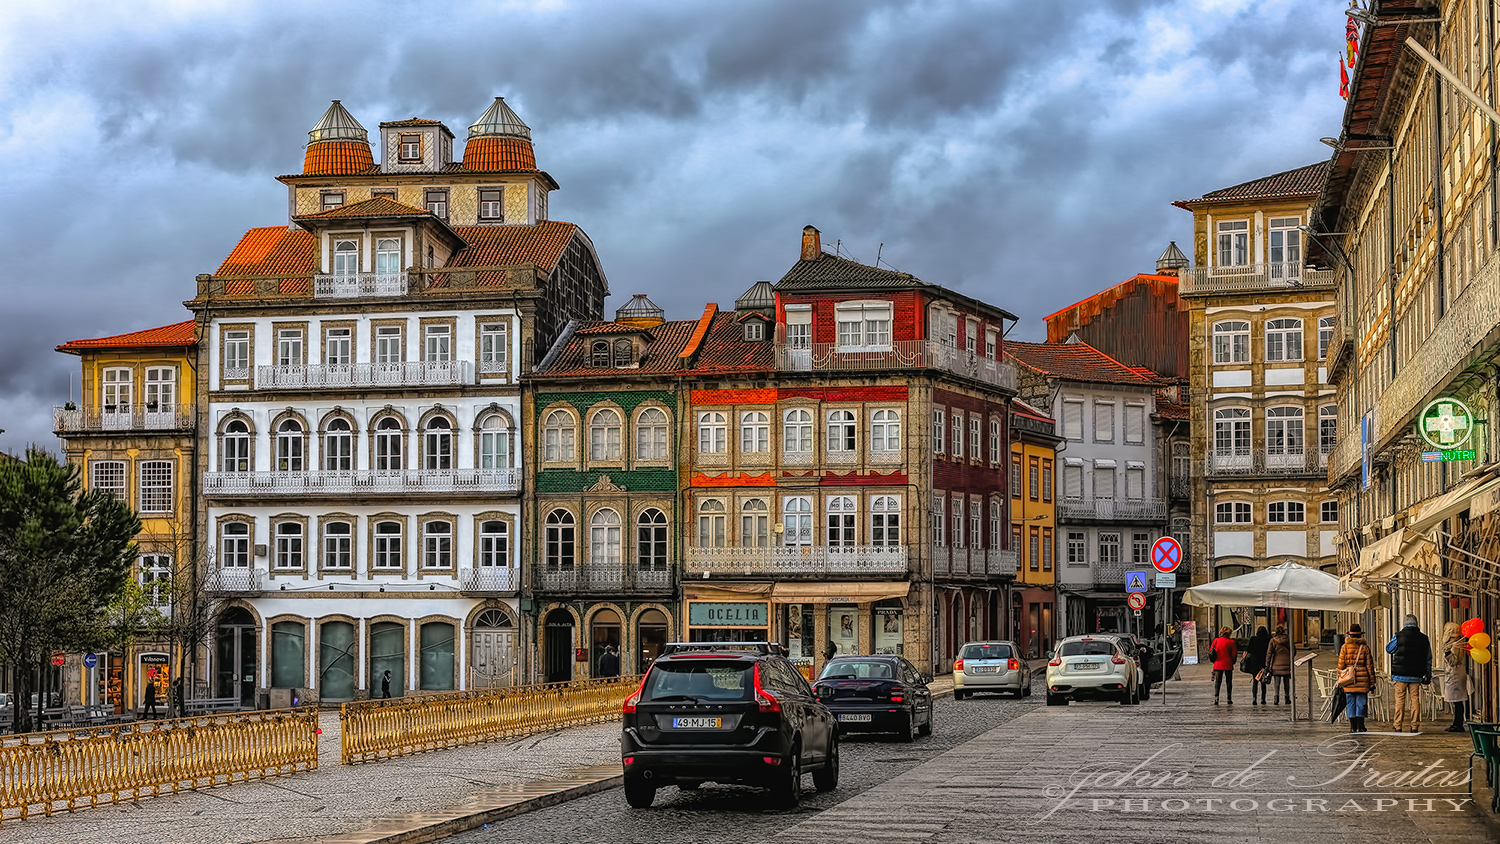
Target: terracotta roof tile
176 335
719 341
337 158
1303 181
541 245
271 250
1171 409
666 343
483 155
1074 362
725 350
379 206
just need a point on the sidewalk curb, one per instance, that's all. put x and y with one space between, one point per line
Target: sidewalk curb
475 820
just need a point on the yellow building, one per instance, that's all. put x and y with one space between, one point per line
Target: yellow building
132 433
1033 527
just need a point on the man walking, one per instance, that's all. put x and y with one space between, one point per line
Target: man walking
609 663
1411 669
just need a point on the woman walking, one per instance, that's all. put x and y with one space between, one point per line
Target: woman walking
1223 651
1455 649
1255 662
1279 663
1355 654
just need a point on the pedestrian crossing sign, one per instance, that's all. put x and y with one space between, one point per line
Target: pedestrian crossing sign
1135 581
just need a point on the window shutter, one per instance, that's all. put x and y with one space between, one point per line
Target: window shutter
1135 423
1135 482
1104 422
1073 420
1073 481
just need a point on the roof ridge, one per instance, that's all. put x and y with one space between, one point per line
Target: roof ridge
689 351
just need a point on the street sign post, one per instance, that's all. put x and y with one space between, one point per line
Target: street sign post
1137 601
1166 554
90 660
58 658
1166 579
1135 581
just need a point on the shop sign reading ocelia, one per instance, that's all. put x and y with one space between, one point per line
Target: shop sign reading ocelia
1445 425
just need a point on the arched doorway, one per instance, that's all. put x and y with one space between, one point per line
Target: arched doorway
494 659
650 635
234 656
336 661
604 632
387 653
558 634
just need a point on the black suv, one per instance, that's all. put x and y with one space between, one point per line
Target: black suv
729 713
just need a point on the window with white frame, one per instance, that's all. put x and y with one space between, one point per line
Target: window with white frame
1034 475
1328 512
971 337
387 551
885 431
885 521
1231 341
754 330
1135 423
1104 421
796 519
234 545
651 434
494 442
491 204
938 424
118 386
956 511
161 389
1325 336
1140 548
345 258
976 520
624 352
604 539
990 344
1078 554
1284 431
1016 490
388 445
559 541
338 545
1047 470
437 345
558 435
156 579
290 440
976 425
1232 513
995 511
494 544
1285 248
939 516
995 453
387 257
604 435
1232 432
842 429
1046 549
155 482
494 346
289 545
956 442
236 354
289 347
651 540
234 447
798 329
755 524
840 521
437 443
338 446
1286 512
1072 417
437 202
1328 428
1109 548
389 346
712 532
755 432
797 433
437 544
1284 339
713 430
338 346
863 325
1233 243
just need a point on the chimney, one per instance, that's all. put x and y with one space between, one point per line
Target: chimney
812 245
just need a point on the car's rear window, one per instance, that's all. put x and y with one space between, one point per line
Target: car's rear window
1087 649
858 669
986 652
700 681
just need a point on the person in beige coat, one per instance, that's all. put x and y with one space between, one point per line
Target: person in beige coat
1455 650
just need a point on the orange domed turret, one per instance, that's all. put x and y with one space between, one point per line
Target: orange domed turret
499 141
337 146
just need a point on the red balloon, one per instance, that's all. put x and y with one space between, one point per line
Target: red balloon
1472 626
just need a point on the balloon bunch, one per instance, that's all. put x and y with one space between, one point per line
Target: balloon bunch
1479 641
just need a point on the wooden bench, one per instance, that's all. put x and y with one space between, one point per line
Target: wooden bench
208 705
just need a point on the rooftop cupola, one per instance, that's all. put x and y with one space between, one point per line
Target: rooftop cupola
499 140
760 298
1171 261
640 312
338 145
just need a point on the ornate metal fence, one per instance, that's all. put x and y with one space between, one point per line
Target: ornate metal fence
381 729
69 769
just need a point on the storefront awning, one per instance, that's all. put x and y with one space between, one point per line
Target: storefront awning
725 592
1385 556
1450 503
837 593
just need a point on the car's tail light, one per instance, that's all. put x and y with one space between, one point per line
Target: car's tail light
1013 665
634 699
763 698
1117 660
1056 660
629 760
898 694
958 664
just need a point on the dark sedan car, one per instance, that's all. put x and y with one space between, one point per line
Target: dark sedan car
877 694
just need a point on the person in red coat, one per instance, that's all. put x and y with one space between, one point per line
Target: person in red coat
1223 651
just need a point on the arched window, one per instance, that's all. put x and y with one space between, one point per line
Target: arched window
624 352
1231 438
1325 336
234 545
1328 428
651 540
651 435
841 431
494 442
796 433
387 546
338 446
796 518
1232 341
711 524
712 431
1232 513
841 527
438 445
604 539
559 540
289 445
494 544
996 455
755 432
289 545
885 432
338 545
604 436
387 256
599 353
1284 436
437 544
345 258
1286 512
755 524
388 436
234 447
1283 339
885 521
558 436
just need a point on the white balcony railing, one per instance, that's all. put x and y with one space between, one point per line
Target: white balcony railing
796 560
488 579
1254 277
603 578
404 374
351 286
900 354
1153 509
1283 461
243 580
124 417
363 481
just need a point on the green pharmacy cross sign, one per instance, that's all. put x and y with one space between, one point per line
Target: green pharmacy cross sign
1446 423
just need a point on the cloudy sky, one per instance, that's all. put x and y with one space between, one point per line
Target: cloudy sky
1025 152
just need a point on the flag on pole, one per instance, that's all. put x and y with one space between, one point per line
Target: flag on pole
1343 79
1351 37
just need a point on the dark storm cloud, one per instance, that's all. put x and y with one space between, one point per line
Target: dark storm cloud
1026 152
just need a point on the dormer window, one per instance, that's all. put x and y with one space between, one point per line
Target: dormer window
624 353
754 330
332 199
411 148
599 353
491 208
437 203
389 193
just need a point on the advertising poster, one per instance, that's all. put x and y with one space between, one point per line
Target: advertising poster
1190 643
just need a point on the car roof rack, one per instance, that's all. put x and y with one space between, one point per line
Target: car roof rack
759 647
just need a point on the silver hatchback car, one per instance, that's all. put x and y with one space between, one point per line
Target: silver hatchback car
990 667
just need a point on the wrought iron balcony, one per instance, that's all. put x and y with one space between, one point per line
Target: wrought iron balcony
488 580
1111 575
404 374
1180 487
1112 509
123 417
355 285
790 561
1267 462
1251 278
974 563
361 482
900 354
232 581
600 578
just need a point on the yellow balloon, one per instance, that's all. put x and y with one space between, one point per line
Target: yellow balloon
1479 640
1480 655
